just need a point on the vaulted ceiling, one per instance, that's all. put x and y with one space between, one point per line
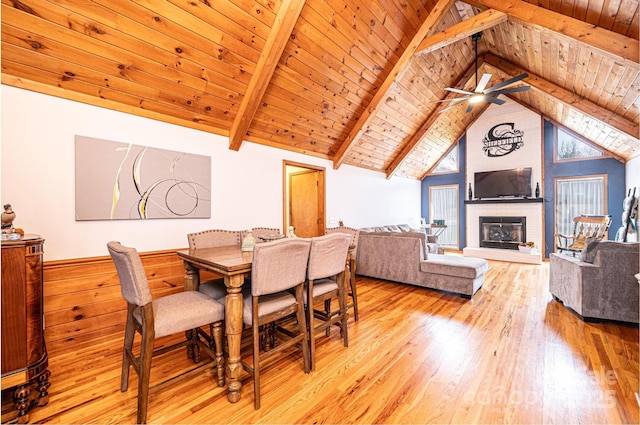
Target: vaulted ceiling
353 81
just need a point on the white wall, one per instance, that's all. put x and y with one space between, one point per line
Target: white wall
632 173
38 179
529 155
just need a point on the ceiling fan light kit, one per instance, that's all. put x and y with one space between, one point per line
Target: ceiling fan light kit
481 91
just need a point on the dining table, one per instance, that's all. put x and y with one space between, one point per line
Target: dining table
233 264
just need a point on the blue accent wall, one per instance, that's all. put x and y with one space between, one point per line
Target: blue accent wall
450 179
612 167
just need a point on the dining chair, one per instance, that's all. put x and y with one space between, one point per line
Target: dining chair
325 281
155 318
210 239
351 264
278 272
265 232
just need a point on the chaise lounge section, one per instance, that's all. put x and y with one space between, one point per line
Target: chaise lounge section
402 257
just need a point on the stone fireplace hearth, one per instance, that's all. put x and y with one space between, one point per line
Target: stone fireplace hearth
502 243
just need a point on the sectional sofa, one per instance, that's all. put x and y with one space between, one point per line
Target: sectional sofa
402 254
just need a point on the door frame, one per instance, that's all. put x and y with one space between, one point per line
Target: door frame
289 167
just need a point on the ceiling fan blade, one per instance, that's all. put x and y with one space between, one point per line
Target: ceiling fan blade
494 100
453 105
506 83
459 91
483 83
470 107
453 99
510 90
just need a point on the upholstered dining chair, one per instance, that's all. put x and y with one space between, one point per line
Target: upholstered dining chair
353 252
155 318
210 239
278 267
325 281
263 233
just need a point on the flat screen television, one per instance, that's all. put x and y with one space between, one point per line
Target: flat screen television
503 183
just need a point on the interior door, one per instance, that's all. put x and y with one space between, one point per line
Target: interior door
306 213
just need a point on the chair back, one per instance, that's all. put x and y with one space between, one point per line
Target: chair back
328 255
353 233
259 232
213 238
279 265
591 226
133 280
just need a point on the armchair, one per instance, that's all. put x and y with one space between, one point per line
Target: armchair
600 284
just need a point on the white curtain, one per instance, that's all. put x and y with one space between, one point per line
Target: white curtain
577 196
444 206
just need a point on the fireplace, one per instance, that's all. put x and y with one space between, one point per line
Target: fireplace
502 232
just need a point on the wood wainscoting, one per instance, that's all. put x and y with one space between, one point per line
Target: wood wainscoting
83 304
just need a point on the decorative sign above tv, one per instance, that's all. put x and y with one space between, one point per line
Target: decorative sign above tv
119 181
502 139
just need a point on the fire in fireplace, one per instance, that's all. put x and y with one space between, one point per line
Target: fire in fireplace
502 232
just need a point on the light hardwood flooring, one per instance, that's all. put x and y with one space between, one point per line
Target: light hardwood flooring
509 355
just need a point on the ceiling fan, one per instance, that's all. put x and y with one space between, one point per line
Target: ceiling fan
481 91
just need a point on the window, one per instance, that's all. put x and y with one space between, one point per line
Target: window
448 163
444 206
571 147
576 196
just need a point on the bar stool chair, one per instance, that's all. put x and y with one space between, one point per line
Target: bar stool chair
210 239
277 268
155 318
351 264
325 281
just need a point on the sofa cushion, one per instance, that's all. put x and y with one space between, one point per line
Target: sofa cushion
454 265
588 253
392 228
404 227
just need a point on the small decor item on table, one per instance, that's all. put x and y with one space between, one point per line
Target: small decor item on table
249 241
290 234
470 192
537 190
8 231
528 247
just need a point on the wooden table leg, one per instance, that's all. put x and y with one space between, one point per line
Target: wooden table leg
233 328
191 283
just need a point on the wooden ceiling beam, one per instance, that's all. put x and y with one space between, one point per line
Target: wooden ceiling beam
462 30
435 17
566 97
607 42
431 119
274 46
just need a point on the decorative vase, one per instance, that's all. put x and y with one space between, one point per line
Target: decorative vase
290 234
248 242
470 192
537 190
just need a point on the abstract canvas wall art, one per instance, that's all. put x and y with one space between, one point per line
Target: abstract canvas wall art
123 181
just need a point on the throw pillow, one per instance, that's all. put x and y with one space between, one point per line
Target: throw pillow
588 253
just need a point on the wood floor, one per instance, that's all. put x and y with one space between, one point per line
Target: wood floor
509 355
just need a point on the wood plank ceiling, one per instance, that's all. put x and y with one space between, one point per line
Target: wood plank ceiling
353 81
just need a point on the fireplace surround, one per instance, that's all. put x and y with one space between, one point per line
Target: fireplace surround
502 232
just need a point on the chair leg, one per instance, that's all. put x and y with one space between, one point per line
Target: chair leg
327 310
342 302
304 330
354 294
310 327
146 354
256 364
129 333
216 330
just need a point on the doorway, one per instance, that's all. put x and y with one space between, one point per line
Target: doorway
304 199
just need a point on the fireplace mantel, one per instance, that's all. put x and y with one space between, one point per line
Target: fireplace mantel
503 201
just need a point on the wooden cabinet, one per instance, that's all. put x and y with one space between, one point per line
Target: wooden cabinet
25 377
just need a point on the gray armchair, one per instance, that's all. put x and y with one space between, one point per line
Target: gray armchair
600 283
